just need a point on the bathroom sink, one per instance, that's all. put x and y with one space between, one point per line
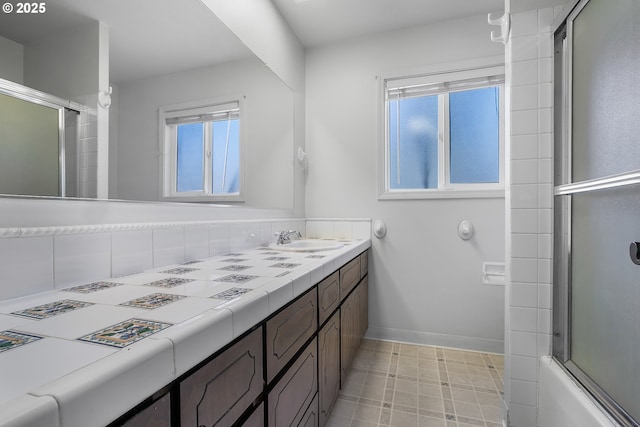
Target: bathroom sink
307 245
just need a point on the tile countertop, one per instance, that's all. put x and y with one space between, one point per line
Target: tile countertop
64 353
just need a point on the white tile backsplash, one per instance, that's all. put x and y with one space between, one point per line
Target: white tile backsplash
219 239
168 246
196 242
26 266
81 258
132 252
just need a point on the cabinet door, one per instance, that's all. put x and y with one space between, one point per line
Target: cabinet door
310 418
256 419
328 296
219 392
328 367
158 414
294 392
349 277
364 307
288 330
347 326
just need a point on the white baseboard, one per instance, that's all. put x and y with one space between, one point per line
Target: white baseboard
439 340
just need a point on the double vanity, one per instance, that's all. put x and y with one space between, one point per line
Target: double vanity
259 337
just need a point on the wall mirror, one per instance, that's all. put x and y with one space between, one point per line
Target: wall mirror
148 54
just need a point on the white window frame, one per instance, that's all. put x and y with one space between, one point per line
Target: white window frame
168 149
437 76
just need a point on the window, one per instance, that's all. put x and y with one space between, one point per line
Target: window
201 158
443 135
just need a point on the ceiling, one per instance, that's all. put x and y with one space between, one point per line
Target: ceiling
154 37
146 37
319 22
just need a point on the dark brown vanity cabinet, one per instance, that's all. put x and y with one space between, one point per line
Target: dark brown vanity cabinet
350 274
288 330
218 393
286 372
158 414
328 296
354 321
328 367
256 419
310 418
294 392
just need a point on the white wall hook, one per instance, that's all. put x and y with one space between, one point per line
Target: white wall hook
505 26
465 229
104 98
303 161
379 229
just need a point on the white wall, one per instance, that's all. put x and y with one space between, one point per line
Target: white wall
12 60
425 282
65 64
268 120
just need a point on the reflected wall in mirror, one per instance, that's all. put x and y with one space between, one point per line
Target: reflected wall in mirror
171 56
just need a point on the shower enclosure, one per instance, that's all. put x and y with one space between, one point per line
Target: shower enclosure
41 152
597 203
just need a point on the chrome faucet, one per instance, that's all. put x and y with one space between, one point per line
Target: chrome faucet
284 237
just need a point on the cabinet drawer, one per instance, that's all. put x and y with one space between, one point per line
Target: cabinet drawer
158 414
292 395
349 277
288 330
328 296
219 392
364 263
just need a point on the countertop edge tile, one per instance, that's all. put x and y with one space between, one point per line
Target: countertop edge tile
199 337
28 410
126 377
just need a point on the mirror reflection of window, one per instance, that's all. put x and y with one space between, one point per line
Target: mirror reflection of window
202 152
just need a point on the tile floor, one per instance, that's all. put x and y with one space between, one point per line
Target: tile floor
394 384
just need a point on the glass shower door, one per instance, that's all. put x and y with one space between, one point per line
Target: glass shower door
597 191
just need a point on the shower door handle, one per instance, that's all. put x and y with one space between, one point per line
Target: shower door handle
634 252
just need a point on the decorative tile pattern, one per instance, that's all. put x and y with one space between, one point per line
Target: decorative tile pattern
288 265
394 384
12 339
315 256
271 253
153 301
277 258
234 267
171 282
52 309
92 287
231 293
235 278
125 333
193 261
234 254
284 273
180 270
234 260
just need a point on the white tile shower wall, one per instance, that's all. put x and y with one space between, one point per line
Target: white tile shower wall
529 326
34 260
88 154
